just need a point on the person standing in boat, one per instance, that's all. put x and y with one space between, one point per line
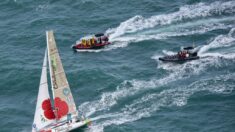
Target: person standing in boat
105 38
99 40
180 54
93 41
69 118
83 44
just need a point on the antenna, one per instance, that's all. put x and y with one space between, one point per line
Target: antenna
193 42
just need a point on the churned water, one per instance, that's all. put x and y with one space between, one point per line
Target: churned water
124 87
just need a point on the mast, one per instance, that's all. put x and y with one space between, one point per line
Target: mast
63 100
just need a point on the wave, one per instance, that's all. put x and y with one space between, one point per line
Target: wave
183 22
196 27
133 87
166 52
143 107
138 22
186 30
150 103
176 72
220 41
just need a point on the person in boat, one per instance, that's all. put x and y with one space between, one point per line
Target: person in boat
87 43
83 43
93 41
187 55
99 40
180 54
69 118
191 50
183 54
105 38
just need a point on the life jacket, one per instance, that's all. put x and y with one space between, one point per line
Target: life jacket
87 42
83 42
93 40
90 41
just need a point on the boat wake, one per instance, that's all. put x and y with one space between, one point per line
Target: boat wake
190 19
150 102
218 53
220 41
207 56
185 13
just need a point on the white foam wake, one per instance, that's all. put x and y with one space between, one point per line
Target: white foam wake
138 23
132 30
146 105
196 27
166 52
129 88
176 72
207 58
132 87
123 41
220 41
150 103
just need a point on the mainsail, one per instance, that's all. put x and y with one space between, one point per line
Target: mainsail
44 115
64 105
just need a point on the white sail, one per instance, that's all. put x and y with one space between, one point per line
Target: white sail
63 100
43 114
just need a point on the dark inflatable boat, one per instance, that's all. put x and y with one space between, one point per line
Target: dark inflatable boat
175 58
186 54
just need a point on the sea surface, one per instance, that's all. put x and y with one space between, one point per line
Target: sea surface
123 87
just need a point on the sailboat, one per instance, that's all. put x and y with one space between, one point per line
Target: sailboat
63 116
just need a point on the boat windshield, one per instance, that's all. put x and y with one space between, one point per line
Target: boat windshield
188 48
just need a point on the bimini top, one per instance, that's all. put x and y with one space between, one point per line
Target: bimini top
99 34
189 48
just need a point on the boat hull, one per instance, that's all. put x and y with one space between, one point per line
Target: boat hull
166 59
67 127
93 47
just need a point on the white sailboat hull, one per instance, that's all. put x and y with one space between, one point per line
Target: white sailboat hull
67 127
